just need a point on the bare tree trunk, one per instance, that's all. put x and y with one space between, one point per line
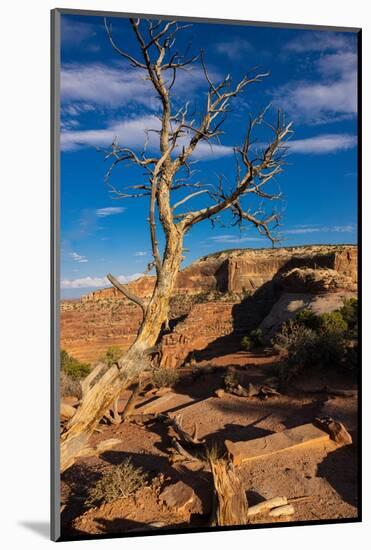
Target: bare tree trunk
99 398
232 507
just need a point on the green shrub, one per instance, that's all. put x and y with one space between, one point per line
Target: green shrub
69 387
112 355
254 340
117 482
164 378
333 322
231 379
73 367
309 319
246 343
349 312
257 337
302 349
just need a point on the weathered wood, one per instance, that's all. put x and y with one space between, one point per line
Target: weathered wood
266 505
287 510
131 402
87 382
67 411
100 448
335 429
232 506
183 452
191 439
307 434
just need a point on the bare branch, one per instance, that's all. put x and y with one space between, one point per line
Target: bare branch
126 292
188 197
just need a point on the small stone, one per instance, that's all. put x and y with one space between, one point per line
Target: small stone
178 496
220 393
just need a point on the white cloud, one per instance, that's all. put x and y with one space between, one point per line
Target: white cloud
232 239
234 49
119 85
322 144
332 96
349 228
102 85
140 253
96 282
132 133
78 257
109 211
317 102
319 41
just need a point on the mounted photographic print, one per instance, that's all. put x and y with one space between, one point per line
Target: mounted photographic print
204 283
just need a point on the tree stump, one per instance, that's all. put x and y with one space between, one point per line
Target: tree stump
231 503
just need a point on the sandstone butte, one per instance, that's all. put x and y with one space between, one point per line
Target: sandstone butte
217 299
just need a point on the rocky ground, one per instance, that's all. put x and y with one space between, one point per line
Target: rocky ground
324 472
217 301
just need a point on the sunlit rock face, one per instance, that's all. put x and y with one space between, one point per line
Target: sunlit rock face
222 294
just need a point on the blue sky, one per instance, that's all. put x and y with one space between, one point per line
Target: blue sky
312 78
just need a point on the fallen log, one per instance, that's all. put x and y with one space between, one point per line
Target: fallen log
287 510
266 506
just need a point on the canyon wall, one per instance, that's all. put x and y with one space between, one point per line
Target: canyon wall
221 294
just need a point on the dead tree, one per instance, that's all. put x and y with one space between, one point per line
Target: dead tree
170 190
231 507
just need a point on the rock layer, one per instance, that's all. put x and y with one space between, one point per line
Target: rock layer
224 293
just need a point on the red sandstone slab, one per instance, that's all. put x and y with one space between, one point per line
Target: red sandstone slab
164 404
300 436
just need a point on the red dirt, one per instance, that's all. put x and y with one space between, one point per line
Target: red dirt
326 472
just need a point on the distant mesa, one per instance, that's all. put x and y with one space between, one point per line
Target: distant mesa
219 294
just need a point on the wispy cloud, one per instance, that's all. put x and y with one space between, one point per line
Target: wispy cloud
96 282
333 95
349 228
234 49
73 33
319 41
322 144
109 211
78 257
232 239
132 133
140 253
119 85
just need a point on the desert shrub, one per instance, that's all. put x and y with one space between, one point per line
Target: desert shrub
231 379
73 367
255 339
309 319
112 355
116 482
246 343
349 312
333 322
164 378
69 387
322 346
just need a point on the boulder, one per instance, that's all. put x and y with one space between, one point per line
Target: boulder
179 497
